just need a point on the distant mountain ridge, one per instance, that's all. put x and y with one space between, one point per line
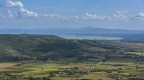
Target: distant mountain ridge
86 30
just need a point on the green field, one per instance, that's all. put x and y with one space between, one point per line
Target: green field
72 71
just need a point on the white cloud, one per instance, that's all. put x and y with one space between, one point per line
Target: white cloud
75 17
50 16
20 12
26 13
14 4
120 16
140 15
95 17
90 16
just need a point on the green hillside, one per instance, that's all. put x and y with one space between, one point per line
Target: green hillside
49 47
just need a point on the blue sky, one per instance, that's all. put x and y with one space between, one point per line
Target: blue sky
29 14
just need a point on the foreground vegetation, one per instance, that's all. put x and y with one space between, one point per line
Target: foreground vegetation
37 70
47 57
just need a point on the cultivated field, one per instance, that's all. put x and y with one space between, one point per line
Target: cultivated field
73 71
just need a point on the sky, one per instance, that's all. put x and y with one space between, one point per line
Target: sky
41 14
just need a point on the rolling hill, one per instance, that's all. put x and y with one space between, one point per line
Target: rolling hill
50 47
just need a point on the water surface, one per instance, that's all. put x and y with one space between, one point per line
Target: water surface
90 37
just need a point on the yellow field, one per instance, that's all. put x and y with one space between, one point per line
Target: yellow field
5 65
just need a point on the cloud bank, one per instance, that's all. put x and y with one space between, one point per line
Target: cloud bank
22 12
26 13
16 9
14 4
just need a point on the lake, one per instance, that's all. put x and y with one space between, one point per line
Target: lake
90 37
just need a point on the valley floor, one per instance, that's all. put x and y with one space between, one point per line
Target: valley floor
37 70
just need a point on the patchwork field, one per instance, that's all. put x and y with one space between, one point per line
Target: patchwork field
71 71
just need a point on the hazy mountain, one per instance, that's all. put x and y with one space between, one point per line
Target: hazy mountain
86 30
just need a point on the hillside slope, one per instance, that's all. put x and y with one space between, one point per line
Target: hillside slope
49 47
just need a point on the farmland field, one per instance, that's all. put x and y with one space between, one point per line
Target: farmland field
73 71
